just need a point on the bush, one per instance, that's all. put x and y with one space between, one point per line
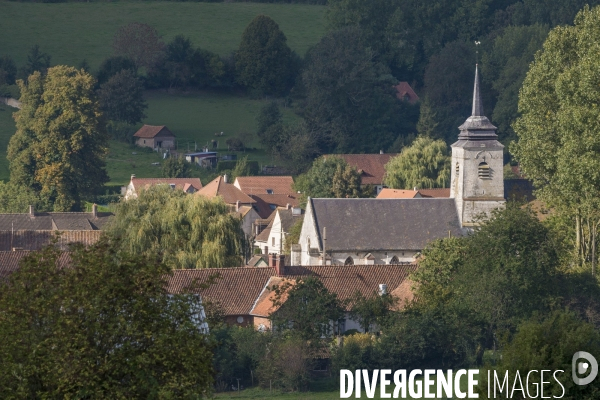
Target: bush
229 165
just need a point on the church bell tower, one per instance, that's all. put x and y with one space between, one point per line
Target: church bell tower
477 183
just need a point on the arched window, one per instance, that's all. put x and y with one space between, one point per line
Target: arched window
349 261
457 168
394 260
483 171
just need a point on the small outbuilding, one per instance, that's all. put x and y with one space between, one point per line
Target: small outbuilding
155 137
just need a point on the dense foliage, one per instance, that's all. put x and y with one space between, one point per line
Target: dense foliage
60 145
103 327
183 231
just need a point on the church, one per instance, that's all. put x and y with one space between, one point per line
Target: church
393 231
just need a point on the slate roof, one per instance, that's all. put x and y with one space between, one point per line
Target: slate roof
234 289
342 280
180 183
229 193
150 131
48 221
263 201
260 184
384 224
370 166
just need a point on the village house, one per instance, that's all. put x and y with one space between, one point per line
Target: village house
273 238
371 167
240 203
188 185
155 137
391 230
34 230
269 192
405 92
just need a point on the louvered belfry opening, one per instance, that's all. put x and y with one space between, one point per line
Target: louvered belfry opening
484 171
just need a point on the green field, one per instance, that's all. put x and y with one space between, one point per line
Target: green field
71 32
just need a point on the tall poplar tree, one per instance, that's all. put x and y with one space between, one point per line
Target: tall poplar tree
60 146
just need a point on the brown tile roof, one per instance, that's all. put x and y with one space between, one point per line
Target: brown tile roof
370 166
403 89
234 289
150 131
257 261
9 261
344 281
180 183
404 293
260 184
229 193
264 304
435 193
397 194
264 201
263 236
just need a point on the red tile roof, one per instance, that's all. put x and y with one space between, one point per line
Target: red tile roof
9 261
397 194
263 202
180 183
229 193
405 92
370 166
150 131
36 239
435 193
252 185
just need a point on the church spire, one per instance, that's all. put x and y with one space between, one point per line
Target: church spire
477 110
477 126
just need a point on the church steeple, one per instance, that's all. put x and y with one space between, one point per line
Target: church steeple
477 126
477 110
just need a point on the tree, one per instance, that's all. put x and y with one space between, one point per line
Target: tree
121 98
184 231
264 62
306 308
424 164
269 121
111 66
141 44
371 311
59 147
558 147
18 199
327 178
37 60
175 167
104 325
350 101
8 71
505 66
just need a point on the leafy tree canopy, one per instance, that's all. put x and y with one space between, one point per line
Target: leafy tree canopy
104 327
122 98
264 62
59 147
113 65
37 60
424 164
141 44
184 231
175 167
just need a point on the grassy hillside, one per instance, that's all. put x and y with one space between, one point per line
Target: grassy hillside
71 32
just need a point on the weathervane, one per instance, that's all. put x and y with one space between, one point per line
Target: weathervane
477 43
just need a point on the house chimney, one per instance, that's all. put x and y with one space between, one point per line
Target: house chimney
95 210
31 211
382 289
272 261
132 176
288 206
237 205
415 188
380 151
225 178
279 264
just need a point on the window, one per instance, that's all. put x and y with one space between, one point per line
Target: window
269 191
272 206
273 241
457 168
394 260
484 171
349 261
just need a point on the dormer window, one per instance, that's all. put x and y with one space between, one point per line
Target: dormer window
349 261
172 186
269 191
483 171
394 260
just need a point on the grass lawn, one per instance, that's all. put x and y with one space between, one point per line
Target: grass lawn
7 129
71 32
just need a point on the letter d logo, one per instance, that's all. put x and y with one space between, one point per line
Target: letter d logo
582 367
